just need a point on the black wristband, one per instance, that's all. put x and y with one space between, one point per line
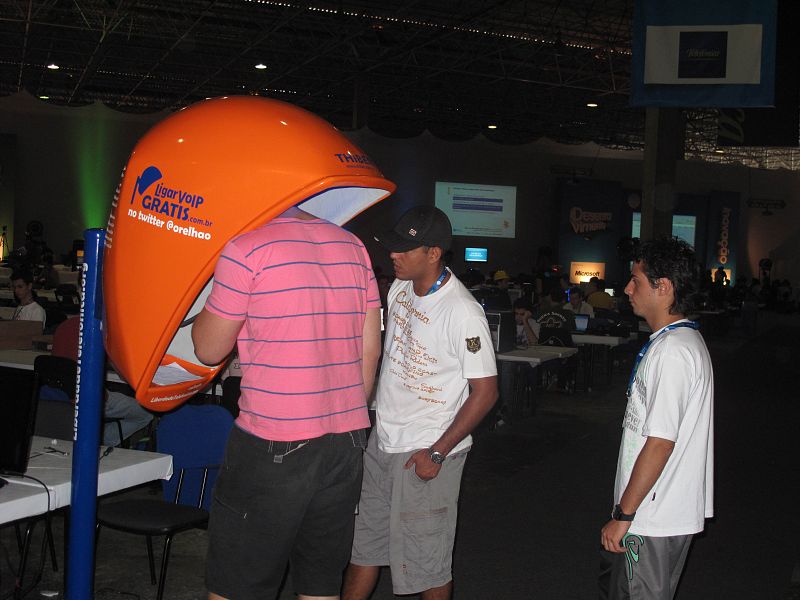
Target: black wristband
618 515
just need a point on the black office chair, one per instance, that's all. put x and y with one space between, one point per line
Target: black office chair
53 318
195 436
606 313
56 394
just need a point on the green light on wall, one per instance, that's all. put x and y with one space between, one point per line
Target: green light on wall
96 177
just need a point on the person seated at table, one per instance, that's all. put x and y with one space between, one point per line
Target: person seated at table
27 308
557 317
597 296
552 314
117 405
577 304
527 326
496 292
48 276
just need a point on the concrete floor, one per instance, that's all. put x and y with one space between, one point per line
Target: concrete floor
536 493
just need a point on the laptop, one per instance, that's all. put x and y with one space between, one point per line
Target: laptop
581 323
17 419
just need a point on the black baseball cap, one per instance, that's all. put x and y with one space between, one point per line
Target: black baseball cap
419 226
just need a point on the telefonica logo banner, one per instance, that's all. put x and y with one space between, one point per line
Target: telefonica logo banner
167 207
723 242
583 221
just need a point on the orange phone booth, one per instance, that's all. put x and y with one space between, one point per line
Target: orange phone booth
197 179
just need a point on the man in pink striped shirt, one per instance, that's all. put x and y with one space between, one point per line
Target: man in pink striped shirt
299 299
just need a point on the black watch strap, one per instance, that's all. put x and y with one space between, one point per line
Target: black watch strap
618 515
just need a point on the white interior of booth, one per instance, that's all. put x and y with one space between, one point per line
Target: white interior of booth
337 205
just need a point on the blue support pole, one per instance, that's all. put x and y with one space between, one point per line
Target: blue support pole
86 426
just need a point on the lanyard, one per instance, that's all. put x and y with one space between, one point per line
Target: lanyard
438 283
646 347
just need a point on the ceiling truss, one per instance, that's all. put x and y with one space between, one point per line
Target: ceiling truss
454 67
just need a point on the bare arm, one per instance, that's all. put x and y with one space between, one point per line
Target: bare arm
646 471
372 348
530 334
214 337
483 395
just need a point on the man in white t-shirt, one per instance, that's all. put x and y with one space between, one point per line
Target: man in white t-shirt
664 484
438 380
27 309
577 304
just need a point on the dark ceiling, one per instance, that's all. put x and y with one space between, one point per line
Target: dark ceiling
398 66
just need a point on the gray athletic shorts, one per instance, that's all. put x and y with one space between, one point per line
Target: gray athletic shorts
649 569
405 522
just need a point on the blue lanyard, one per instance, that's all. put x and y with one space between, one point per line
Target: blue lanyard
646 347
438 283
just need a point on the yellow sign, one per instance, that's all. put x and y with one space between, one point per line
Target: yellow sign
580 272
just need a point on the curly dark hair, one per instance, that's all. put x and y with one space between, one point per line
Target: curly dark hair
23 274
670 258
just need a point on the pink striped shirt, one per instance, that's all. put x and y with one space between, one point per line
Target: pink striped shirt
303 289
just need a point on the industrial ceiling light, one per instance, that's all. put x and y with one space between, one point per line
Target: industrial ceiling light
591 104
44 97
53 67
491 126
261 66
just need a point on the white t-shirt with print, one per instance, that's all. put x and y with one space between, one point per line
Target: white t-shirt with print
584 309
672 397
433 345
32 311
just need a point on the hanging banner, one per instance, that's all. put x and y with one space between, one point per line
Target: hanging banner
776 126
718 53
723 229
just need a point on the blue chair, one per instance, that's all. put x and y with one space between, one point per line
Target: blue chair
195 436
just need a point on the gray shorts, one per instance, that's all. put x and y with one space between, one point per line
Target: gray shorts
649 569
405 522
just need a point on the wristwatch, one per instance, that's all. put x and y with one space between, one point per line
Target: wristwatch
436 457
618 515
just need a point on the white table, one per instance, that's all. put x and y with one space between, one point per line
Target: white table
67 276
536 355
605 342
121 469
49 295
586 339
518 394
19 359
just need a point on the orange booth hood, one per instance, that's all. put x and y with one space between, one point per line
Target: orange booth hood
197 179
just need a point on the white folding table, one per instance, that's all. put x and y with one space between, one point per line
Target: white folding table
518 393
121 469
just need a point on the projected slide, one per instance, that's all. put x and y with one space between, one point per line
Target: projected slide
683 227
479 210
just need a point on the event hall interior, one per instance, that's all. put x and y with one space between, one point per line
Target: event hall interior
527 101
